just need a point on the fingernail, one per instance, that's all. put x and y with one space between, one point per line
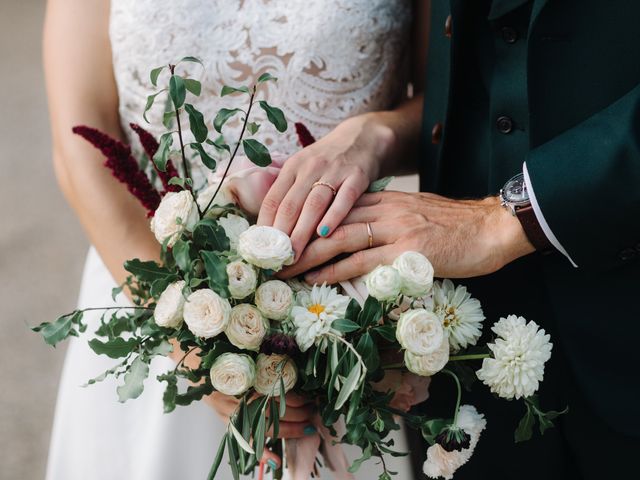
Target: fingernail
272 463
324 230
309 430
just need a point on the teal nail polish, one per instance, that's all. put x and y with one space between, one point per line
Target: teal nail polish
324 230
309 430
272 463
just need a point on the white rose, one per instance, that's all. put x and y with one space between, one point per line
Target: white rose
384 283
265 247
233 373
206 313
242 279
247 327
430 364
233 226
416 273
223 198
269 370
420 331
274 299
168 311
177 211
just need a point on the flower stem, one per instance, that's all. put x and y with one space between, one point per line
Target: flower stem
459 387
475 356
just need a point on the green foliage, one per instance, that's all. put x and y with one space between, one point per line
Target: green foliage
524 431
379 185
253 127
161 157
148 271
227 90
207 159
54 332
182 254
115 348
266 77
209 235
133 380
256 152
193 86
216 268
223 115
177 91
196 123
345 326
274 115
219 144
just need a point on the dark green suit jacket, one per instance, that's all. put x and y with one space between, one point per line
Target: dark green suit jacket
555 84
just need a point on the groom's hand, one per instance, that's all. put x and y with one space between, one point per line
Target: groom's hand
461 238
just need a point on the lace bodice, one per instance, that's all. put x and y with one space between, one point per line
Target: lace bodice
333 58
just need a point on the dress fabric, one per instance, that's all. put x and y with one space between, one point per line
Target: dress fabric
333 59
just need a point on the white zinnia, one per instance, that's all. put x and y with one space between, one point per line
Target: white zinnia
242 279
247 327
233 373
461 315
314 313
206 313
265 247
383 283
269 370
430 364
233 226
223 198
177 211
441 463
416 273
168 311
274 299
419 331
519 355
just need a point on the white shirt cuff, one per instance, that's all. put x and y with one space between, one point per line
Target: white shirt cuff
540 217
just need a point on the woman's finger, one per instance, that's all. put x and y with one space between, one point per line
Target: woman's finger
271 459
359 263
347 195
297 414
291 205
274 197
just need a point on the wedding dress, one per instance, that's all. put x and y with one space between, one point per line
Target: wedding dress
333 59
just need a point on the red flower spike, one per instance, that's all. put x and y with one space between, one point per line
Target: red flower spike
304 135
150 145
123 166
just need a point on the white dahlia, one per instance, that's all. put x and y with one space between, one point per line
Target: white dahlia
519 355
314 313
461 314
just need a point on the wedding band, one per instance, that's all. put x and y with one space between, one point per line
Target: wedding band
370 234
325 184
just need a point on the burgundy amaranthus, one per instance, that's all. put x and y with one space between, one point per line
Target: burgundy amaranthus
150 145
280 344
123 166
304 135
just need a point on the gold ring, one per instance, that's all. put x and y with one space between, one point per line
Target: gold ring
325 184
369 234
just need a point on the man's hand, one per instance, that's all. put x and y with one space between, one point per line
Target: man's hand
461 238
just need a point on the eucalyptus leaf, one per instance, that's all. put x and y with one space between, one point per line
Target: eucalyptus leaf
274 115
224 114
256 152
196 123
116 348
227 90
379 185
133 380
177 91
233 462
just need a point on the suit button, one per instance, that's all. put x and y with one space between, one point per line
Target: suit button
504 124
509 34
627 254
436 133
447 27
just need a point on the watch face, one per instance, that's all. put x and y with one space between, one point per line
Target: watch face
515 191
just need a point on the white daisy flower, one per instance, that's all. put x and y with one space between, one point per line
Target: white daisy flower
314 313
519 355
461 314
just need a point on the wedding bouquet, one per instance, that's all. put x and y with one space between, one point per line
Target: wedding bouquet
364 351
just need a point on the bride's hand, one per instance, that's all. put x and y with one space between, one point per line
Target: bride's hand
343 164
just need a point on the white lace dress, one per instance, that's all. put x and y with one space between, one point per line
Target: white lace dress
333 59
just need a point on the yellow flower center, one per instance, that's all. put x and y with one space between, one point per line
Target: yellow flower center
316 308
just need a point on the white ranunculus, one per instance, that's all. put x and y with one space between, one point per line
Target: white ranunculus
274 299
233 226
420 331
177 211
223 198
384 283
233 373
269 370
206 313
430 364
247 327
168 311
242 279
519 355
265 247
416 273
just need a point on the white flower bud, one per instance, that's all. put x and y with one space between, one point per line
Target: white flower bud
168 311
233 373
206 313
274 299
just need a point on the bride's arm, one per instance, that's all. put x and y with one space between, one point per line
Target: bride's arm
81 90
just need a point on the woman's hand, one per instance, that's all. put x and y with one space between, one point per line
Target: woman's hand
461 238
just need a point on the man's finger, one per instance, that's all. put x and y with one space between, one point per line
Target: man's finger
359 263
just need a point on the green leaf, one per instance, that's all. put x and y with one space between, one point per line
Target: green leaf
219 144
54 332
154 75
367 349
366 455
167 119
227 90
194 393
147 271
207 159
350 385
163 348
170 392
216 269
345 326
241 441
196 123
524 431
371 312
353 310
388 332
223 115
283 399
209 235
265 77
253 127
256 152
218 459
177 91
161 157
219 347
192 60
258 437
275 116
233 462
194 86
116 348
379 185
150 100
133 380
181 250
